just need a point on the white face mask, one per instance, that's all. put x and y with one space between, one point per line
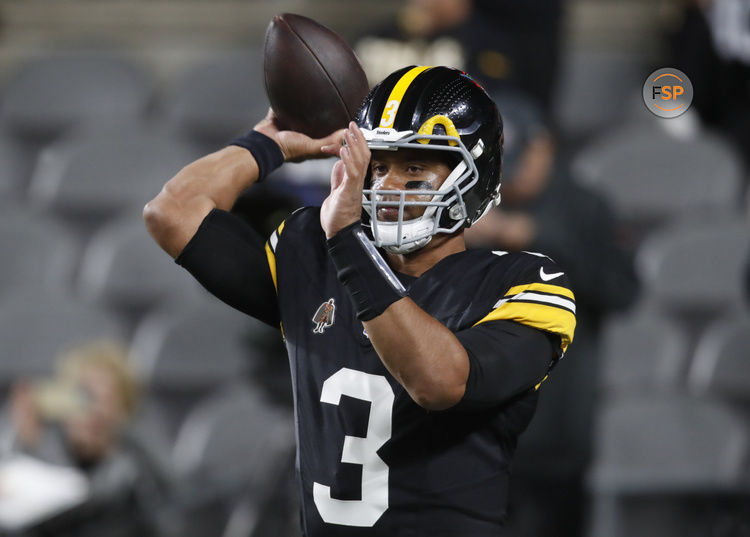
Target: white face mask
405 236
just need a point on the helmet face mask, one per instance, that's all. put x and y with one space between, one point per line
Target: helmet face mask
435 109
404 236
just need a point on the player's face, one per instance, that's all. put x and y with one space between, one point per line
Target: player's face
406 169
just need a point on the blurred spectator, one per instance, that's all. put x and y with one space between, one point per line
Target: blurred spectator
78 419
543 210
499 42
712 46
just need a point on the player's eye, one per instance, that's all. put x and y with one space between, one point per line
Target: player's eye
379 169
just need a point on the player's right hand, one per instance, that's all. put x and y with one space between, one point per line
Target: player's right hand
296 146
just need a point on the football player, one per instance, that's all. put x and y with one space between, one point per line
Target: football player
415 363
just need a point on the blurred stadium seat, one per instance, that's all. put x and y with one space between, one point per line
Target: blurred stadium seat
96 171
219 98
193 345
668 443
649 176
642 352
669 447
38 251
51 93
233 442
721 365
188 348
37 324
17 162
696 264
124 269
589 82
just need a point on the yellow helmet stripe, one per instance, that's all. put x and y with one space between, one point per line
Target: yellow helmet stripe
397 93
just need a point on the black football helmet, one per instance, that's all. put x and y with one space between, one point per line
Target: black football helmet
439 109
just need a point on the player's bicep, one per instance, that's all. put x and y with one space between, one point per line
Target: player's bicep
506 359
229 259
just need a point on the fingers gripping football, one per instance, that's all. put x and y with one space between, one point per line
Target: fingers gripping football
296 146
343 206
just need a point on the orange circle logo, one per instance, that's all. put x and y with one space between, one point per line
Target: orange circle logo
668 92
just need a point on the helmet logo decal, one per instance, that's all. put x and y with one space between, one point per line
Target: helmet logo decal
429 126
323 317
389 113
397 93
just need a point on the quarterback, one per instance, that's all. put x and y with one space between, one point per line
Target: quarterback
415 363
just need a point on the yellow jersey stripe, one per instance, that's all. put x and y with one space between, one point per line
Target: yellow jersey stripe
272 265
271 255
540 382
397 93
543 287
541 316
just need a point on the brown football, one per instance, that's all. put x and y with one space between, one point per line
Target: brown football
314 81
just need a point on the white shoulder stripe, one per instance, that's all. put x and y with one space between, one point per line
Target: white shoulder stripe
273 240
536 297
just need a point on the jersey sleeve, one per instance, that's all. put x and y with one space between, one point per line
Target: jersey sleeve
523 334
539 297
506 359
227 257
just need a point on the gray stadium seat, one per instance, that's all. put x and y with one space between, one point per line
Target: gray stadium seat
234 438
193 346
668 443
17 161
655 455
37 251
219 97
49 94
696 265
232 444
591 81
99 170
649 176
124 268
721 364
642 352
36 325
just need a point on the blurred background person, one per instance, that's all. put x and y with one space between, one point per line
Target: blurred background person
543 210
79 419
711 42
502 43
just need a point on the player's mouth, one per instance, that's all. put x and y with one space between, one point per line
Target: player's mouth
388 214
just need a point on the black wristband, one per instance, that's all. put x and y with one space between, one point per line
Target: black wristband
371 283
265 151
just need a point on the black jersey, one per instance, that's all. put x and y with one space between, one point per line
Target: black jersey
372 462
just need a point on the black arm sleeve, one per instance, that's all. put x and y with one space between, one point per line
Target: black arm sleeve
506 359
228 258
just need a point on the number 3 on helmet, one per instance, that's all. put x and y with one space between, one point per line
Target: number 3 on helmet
438 109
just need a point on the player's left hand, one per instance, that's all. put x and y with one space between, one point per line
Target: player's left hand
343 206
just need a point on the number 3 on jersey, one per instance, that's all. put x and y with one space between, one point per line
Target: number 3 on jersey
374 502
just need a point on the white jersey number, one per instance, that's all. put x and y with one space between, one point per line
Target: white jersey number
374 502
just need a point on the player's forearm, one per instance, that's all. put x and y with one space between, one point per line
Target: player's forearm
421 353
213 181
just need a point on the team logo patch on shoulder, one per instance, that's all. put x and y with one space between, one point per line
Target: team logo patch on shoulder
323 317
